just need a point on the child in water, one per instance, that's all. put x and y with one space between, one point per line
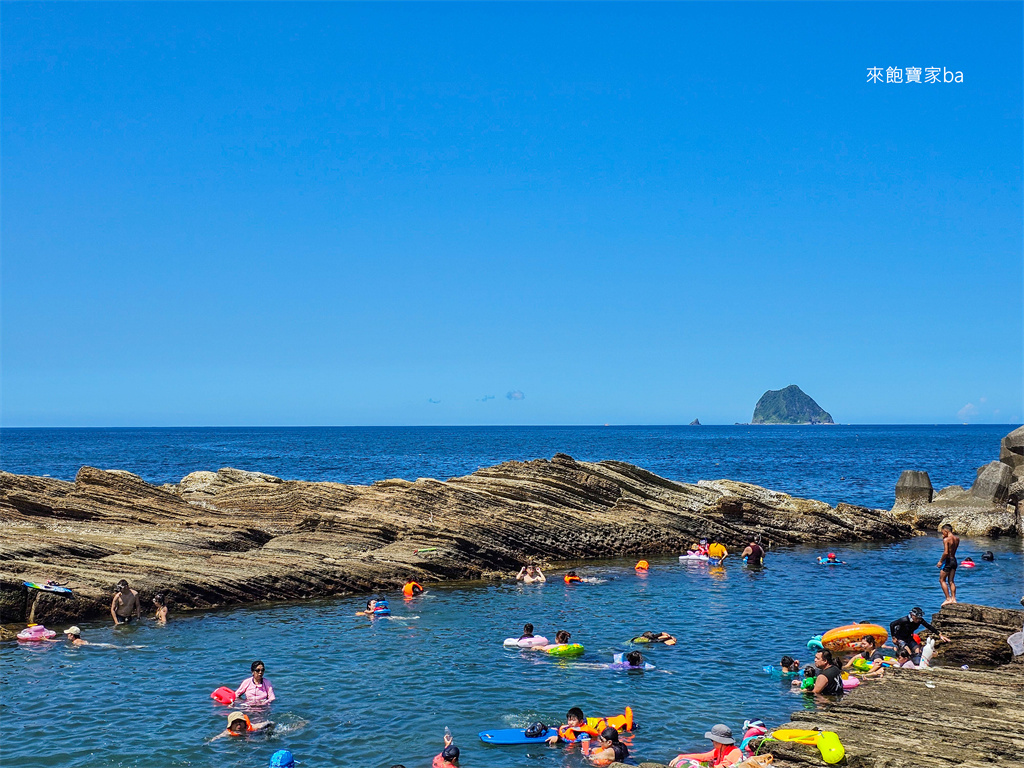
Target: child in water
240 725
810 675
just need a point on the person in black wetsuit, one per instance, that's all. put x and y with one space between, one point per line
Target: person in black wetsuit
902 632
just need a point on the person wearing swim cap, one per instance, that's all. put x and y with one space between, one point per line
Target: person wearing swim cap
449 755
282 759
125 605
902 632
831 559
724 752
257 689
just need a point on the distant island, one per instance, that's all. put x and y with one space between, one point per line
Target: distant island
695 423
789 406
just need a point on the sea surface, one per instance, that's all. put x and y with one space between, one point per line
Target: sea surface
358 692
856 464
353 691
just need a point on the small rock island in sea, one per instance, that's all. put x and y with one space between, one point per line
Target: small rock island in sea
789 406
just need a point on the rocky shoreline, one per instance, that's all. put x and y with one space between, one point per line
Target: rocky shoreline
940 717
234 537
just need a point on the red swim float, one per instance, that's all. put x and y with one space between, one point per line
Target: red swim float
223 695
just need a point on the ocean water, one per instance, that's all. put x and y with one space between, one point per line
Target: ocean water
855 464
353 691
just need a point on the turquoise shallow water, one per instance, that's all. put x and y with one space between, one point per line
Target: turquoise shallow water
380 692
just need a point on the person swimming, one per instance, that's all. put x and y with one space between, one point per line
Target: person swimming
239 724
654 637
571 578
609 748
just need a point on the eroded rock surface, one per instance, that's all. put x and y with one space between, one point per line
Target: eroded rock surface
935 718
236 537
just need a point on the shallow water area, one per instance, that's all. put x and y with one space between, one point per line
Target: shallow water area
378 692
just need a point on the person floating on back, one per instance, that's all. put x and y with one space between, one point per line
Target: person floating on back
947 564
654 637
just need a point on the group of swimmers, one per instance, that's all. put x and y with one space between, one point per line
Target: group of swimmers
824 676
752 554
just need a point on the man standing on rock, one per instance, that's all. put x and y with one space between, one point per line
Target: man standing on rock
950 541
125 605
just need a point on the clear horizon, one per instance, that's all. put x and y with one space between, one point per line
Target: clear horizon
509 214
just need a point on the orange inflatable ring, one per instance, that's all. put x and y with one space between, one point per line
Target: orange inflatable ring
850 637
643 565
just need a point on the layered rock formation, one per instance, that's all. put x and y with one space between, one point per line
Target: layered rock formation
944 717
935 718
235 537
789 406
992 506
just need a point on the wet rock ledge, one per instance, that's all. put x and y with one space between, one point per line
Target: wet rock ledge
935 718
230 537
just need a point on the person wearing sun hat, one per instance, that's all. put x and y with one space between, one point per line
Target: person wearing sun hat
725 751
239 724
74 634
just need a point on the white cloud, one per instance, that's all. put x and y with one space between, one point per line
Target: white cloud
515 394
968 411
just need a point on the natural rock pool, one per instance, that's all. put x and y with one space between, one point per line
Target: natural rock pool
357 692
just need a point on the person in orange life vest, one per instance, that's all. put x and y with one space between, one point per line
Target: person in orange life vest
609 748
240 725
449 755
575 724
725 751
412 588
571 577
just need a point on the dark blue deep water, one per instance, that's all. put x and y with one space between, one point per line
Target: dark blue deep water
856 464
355 692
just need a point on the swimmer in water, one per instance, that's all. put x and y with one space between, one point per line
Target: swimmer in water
527 632
561 638
74 636
531 574
609 749
831 559
654 637
160 603
257 689
370 605
240 725
635 659
571 577
125 605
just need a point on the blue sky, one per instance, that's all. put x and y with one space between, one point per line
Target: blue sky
508 214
